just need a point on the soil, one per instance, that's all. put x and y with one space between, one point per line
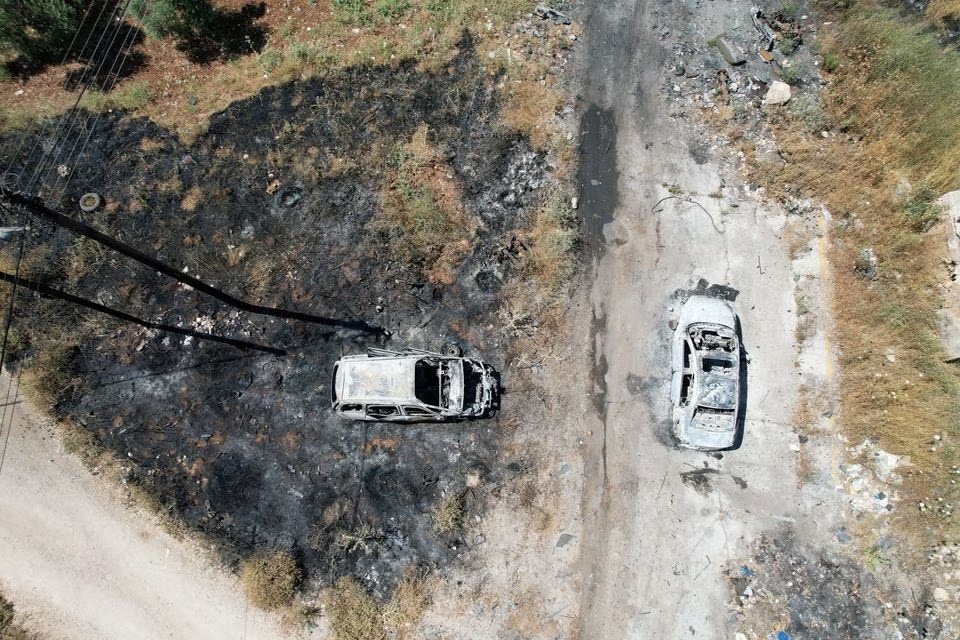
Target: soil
242 446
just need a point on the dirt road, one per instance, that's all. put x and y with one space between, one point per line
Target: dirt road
80 566
669 522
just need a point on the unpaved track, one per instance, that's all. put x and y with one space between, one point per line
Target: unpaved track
80 566
653 565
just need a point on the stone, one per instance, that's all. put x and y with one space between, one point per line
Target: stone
940 594
730 51
779 93
950 332
564 539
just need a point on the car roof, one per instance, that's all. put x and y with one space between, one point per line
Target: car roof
377 379
707 309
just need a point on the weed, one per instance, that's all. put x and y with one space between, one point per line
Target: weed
423 212
529 106
270 579
353 612
351 11
874 559
392 9
449 514
270 60
131 96
5 73
673 189
790 9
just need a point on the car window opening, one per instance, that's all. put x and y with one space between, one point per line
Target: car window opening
432 383
707 339
685 385
720 366
686 354
381 410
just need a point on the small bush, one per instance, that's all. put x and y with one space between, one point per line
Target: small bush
831 62
788 45
920 209
6 614
353 612
405 609
448 515
48 374
790 75
270 579
809 109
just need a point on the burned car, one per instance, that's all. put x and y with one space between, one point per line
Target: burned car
705 387
413 386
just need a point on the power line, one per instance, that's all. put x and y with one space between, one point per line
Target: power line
80 228
50 292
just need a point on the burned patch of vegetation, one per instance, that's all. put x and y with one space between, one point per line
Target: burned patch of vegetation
372 197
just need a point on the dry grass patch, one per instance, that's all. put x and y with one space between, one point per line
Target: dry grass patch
448 515
892 99
192 198
353 613
270 579
422 210
48 374
410 599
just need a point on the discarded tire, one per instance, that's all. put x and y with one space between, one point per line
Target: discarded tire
452 349
90 202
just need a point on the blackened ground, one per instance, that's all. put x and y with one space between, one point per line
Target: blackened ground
242 446
822 593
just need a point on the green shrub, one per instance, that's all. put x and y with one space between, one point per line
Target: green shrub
830 62
392 8
920 209
6 614
41 31
790 75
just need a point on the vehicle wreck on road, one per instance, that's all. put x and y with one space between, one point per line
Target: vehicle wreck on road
705 384
413 386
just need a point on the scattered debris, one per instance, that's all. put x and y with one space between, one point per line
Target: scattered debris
545 12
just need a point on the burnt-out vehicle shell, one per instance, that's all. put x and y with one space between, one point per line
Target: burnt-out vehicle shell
705 382
412 386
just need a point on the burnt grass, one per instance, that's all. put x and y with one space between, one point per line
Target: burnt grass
241 445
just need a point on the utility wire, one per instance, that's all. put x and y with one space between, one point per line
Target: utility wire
50 292
91 74
61 125
5 342
80 228
66 56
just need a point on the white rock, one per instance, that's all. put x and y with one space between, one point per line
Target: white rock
940 594
779 93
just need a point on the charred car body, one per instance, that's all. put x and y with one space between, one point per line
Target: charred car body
705 385
413 386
